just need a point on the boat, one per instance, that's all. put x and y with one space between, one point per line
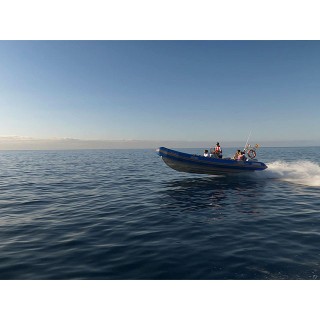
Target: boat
193 163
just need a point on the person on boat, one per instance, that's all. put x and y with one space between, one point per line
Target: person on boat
242 156
218 150
237 154
206 153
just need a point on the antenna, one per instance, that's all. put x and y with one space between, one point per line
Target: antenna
247 140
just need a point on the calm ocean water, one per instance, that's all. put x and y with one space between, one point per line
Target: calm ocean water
123 214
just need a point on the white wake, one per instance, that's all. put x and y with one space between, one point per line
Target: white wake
300 172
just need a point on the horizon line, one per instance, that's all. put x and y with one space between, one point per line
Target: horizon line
20 143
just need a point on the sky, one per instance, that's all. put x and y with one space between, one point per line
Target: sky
160 90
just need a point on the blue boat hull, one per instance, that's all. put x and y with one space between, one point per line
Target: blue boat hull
186 162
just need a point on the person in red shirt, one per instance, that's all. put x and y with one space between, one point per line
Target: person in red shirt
218 150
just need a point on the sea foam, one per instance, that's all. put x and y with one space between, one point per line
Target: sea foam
300 172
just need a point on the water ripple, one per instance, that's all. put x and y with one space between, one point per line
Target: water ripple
115 214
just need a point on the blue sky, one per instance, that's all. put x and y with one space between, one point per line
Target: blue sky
160 90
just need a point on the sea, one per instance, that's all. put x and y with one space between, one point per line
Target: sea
124 215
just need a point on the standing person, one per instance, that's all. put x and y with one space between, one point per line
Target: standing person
218 150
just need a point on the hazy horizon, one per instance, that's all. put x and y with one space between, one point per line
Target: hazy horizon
29 143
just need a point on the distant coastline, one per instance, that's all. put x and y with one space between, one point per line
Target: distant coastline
28 143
